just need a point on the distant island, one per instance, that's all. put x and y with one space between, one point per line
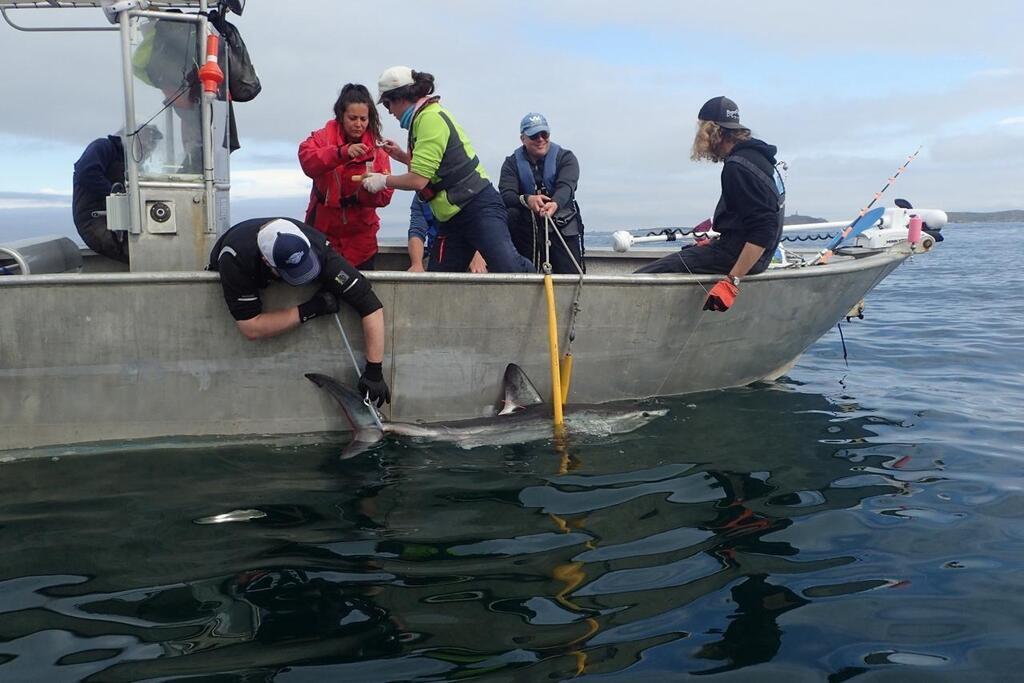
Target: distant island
1012 216
799 219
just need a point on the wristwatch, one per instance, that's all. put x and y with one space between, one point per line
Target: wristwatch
734 279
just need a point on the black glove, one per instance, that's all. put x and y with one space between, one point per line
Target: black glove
372 384
322 303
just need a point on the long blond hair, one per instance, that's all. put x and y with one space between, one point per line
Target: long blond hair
708 142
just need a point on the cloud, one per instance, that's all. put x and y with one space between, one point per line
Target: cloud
264 183
845 95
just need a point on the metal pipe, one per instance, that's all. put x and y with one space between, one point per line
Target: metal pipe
207 124
173 16
556 375
131 167
170 135
34 29
171 185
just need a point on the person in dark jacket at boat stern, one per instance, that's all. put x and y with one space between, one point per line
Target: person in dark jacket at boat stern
97 171
539 180
255 252
749 214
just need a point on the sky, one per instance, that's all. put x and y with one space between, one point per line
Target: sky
847 91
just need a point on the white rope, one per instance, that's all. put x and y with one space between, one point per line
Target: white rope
571 329
700 319
355 366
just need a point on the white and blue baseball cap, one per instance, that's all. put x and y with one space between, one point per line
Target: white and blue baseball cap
534 123
288 251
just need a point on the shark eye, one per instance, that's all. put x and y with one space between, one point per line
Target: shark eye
645 414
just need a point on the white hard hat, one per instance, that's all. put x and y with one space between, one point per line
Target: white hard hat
392 79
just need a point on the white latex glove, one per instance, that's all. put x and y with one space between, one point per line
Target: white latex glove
374 182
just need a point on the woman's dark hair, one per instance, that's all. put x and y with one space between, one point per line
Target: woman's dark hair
354 93
422 85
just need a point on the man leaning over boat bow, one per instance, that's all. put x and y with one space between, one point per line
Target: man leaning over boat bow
255 252
749 213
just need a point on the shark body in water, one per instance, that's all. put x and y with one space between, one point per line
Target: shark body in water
523 417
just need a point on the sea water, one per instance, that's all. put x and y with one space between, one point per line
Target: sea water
859 517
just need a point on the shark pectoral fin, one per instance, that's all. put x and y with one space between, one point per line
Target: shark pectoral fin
519 391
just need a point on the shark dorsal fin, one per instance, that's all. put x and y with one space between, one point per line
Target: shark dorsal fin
518 390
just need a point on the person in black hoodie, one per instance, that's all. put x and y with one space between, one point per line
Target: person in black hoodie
749 214
97 171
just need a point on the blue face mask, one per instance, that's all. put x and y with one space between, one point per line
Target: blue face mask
406 119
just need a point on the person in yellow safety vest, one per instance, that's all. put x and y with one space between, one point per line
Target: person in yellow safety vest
446 172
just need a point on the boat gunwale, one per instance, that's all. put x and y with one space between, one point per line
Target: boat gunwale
401 276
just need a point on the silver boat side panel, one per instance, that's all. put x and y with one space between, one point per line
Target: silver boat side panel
136 355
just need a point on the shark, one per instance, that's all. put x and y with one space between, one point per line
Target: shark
522 417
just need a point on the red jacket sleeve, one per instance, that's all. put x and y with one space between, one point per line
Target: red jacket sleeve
318 156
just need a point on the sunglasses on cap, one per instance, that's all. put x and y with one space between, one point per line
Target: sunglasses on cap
543 135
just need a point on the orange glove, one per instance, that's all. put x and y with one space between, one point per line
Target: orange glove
721 296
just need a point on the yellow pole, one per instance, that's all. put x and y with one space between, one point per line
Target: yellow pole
556 383
566 376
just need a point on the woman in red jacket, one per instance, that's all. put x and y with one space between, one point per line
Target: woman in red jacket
344 149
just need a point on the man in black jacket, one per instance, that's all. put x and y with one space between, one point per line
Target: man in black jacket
256 252
749 214
100 167
537 181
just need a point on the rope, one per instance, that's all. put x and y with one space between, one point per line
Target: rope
686 343
549 224
355 366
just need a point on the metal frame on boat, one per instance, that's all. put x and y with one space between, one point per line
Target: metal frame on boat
152 353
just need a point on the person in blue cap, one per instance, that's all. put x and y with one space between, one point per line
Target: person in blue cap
256 252
538 181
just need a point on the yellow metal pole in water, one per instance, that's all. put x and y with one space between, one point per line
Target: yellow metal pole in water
556 377
566 376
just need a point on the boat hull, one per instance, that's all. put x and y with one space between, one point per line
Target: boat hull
115 356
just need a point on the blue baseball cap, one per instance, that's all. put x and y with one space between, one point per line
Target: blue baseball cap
288 251
533 123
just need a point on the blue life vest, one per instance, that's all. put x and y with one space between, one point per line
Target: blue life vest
527 182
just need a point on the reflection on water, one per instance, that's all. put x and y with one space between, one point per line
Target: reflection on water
677 548
808 530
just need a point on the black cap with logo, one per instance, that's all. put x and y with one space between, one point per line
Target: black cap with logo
723 111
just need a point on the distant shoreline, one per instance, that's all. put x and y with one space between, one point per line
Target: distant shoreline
1012 216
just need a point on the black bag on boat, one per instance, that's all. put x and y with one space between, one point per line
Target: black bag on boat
243 83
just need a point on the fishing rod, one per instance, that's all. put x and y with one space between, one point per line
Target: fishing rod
825 254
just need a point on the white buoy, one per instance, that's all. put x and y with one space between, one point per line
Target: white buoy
622 240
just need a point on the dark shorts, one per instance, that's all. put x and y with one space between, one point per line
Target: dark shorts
702 260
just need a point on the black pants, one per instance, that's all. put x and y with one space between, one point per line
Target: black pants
96 236
693 259
481 225
525 243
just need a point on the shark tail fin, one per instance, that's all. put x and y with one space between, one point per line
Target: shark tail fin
519 391
366 433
